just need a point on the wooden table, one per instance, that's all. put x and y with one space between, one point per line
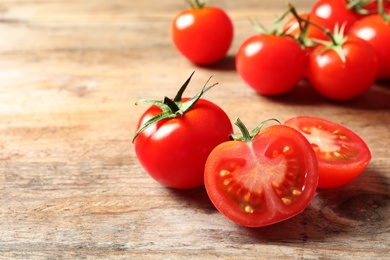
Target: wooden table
71 185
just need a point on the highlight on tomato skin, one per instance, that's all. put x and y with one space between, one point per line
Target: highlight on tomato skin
342 155
265 180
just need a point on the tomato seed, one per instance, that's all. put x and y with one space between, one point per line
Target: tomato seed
296 192
286 149
223 173
248 209
286 201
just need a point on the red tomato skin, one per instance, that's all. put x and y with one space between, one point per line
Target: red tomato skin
334 12
376 32
271 64
257 154
174 151
337 80
335 173
202 35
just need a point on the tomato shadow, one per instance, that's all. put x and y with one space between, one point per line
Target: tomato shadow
194 198
228 63
378 97
358 208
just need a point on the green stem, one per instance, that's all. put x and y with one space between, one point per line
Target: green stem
382 12
195 4
246 136
301 20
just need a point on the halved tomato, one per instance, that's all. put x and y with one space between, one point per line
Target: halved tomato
342 155
261 178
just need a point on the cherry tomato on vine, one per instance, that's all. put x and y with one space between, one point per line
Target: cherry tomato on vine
263 177
202 34
376 31
175 137
344 70
342 155
271 64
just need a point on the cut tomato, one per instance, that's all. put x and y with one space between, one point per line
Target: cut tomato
264 179
342 155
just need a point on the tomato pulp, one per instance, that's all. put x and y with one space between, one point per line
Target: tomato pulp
342 155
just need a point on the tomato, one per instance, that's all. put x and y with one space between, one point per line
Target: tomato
334 12
342 155
173 149
340 79
376 31
271 64
202 34
262 179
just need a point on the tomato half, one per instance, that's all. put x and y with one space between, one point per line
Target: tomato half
342 155
340 79
271 64
202 35
376 31
266 180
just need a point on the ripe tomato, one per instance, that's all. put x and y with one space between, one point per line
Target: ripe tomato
342 155
271 64
202 34
340 79
376 31
262 179
334 12
173 149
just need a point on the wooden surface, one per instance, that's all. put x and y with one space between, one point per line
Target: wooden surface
71 186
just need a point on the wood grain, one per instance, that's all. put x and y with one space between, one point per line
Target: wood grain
71 185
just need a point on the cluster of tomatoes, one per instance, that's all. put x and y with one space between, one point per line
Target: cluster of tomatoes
255 178
340 46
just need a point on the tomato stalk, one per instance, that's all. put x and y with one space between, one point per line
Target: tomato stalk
382 12
245 135
357 6
195 4
276 26
336 40
172 108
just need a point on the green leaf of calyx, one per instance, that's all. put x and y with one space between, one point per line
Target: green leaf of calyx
172 108
245 135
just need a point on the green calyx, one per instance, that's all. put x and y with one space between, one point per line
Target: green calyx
196 4
172 108
276 28
245 135
337 41
382 12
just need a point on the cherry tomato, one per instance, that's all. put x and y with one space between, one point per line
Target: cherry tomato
376 31
262 179
342 155
334 12
340 79
202 34
173 150
271 64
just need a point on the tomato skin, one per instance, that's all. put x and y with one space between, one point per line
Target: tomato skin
342 155
260 168
334 12
174 151
202 35
376 32
339 80
271 64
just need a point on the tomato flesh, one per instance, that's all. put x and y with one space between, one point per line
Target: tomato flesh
265 181
342 155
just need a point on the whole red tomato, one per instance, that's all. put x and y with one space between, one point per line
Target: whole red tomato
262 177
175 137
376 31
335 12
345 71
202 34
271 64
342 155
